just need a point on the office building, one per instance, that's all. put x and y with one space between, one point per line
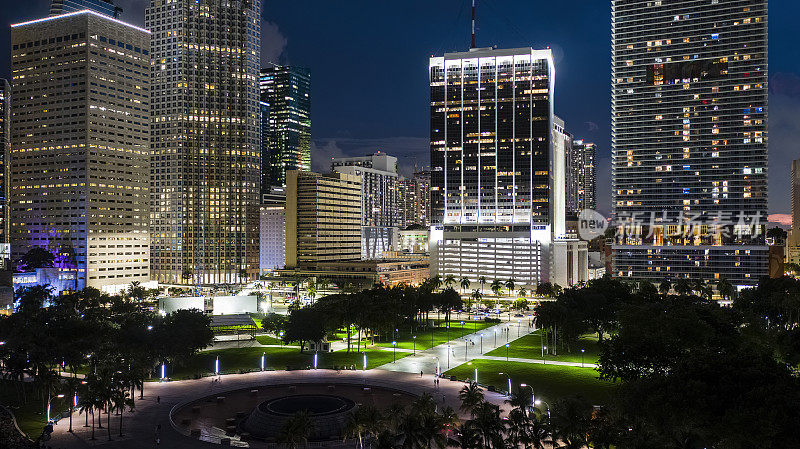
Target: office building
689 136
323 217
287 90
793 237
582 160
206 143
497 170
107 7
415 199
273 230
80 132
5 153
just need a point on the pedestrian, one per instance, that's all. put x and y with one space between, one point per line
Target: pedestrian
158 399
420 374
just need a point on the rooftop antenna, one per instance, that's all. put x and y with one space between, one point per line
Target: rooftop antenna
473 24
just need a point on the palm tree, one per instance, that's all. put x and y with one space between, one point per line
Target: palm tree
436 282
725 288
449 280
477 295
465 283
487 425
683 287
510 286
470 396
482 281
496 287
296 430
522 400
522 292
664 287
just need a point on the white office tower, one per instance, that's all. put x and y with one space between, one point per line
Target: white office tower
497 174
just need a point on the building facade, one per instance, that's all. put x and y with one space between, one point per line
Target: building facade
415 199
379 184
582 161
107 7
323 217
5 154
273 230
80 132
689 135
287 90
206 143
793 237
497 177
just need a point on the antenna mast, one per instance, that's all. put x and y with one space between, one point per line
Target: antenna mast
473 24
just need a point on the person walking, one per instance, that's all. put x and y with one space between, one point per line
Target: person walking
158 399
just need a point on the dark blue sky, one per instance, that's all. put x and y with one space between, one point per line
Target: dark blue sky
369 68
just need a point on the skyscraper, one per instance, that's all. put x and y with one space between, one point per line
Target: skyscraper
5 151
497 178
107 7
582 158
206 159
79 178
415 199
287 90
689 135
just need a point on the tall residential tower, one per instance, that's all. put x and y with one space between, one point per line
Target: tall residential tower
689 135
80 132
206 140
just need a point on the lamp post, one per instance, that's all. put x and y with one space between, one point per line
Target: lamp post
216 367
481 342
365 361
72 409
263 356
394 351
582 351
315 359
476 376
163 371
280 334
518 327
544 348
465 349
414 340
495 337
49 401
507 345
508 393
448 357
539 401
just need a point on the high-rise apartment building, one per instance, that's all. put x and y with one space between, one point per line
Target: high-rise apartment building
415 199
107 7
689 135
5 152
287 90
323 217
793 240
497 176
582 158
80 132
379 184
206 143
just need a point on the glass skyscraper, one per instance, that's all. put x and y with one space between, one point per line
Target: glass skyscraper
206 140
497 176
689 124
287 90
107 7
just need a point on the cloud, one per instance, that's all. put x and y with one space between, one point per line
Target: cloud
412 153
780 219
784 130
273 43
591 126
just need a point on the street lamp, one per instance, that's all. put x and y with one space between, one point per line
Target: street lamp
507 345
163 371
280 334
394 351
582 351
518 326
509 383
448 357
495 337
365 361
216 367
315 359
544 348
481 342
414 340
49 401
537 402
263 356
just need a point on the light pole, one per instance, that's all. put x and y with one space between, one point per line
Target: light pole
315 359
280 334
72 409
495 337
163 371
582 351
518 326
481 342
539 401
448 357
465 349
365 361
394 351
414 340
509 383
507 345
216 367
544 348
49 401
263 356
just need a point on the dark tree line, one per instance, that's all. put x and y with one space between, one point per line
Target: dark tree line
97 346
691 373
371 314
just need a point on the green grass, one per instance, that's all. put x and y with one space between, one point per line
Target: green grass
29 415
429 337
549 382
528 347
234 360
268 340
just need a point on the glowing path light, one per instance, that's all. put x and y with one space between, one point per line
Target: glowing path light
163 371
476 375
365 361
315 360
438 368
216 366
263 355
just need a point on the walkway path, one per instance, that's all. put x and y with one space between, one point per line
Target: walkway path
140 426
540 361
461 350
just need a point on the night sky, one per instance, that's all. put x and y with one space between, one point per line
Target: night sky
369 63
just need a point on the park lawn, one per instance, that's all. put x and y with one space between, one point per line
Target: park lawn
30 416
549 382
234 360
529 347
268 340
427 337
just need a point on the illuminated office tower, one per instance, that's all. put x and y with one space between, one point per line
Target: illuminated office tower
497 176
415 199
689 139
5 151
80 131
206 145
287 90
107 7
582 158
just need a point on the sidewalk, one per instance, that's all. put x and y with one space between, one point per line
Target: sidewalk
461 350
540 361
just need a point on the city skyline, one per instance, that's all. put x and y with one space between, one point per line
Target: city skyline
359 129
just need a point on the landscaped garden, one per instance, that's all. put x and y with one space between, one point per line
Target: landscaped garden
529 347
